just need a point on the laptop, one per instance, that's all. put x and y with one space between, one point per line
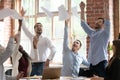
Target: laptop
51 73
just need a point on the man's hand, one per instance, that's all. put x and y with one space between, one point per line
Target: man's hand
66 22
82 5
106 9
47 63
20 75
22 12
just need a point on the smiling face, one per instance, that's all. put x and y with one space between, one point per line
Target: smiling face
99 23
76 45
38 28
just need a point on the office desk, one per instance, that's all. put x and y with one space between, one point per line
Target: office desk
61 78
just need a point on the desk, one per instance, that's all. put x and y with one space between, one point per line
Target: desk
61 78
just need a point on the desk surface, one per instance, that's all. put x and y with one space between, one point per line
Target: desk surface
61 78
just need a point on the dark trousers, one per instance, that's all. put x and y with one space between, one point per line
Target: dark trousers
37 68
99 69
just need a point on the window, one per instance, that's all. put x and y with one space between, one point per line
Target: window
53 28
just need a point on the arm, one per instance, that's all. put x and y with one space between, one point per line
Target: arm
85 62
52 54
65 41
17 39
26 31
82 7
9 50
106 11
84 25
107 20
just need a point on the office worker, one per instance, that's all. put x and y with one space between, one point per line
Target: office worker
20 59
39 48
99 38
24 62
16 55
71 58
4 55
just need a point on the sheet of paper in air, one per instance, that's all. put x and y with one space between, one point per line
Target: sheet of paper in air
63 15
5 13
74 11
47 12
9 12
15 15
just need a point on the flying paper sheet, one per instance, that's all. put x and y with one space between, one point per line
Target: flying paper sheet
48 13
63 15
15 15
9 12
74 11
5 13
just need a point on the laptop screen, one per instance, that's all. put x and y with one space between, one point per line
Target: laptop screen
51 73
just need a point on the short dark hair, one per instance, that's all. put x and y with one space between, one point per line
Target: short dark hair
79 41
37 24
101 19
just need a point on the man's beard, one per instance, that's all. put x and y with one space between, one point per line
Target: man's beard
39 33
97 26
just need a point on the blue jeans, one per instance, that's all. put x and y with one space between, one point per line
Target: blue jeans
99 69
37 68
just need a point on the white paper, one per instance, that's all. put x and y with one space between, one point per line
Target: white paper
15 15
47 12
6 12
63 15
74 11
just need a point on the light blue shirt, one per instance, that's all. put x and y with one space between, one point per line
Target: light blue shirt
71 61
98 42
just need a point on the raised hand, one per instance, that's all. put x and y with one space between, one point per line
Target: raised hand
20 75
82 5
22 12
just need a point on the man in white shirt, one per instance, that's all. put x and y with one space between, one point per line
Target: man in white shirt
39 49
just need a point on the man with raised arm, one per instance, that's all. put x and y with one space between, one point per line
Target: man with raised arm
99 38
39 48
71 57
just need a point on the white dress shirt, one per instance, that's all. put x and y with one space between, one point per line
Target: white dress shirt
43 47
